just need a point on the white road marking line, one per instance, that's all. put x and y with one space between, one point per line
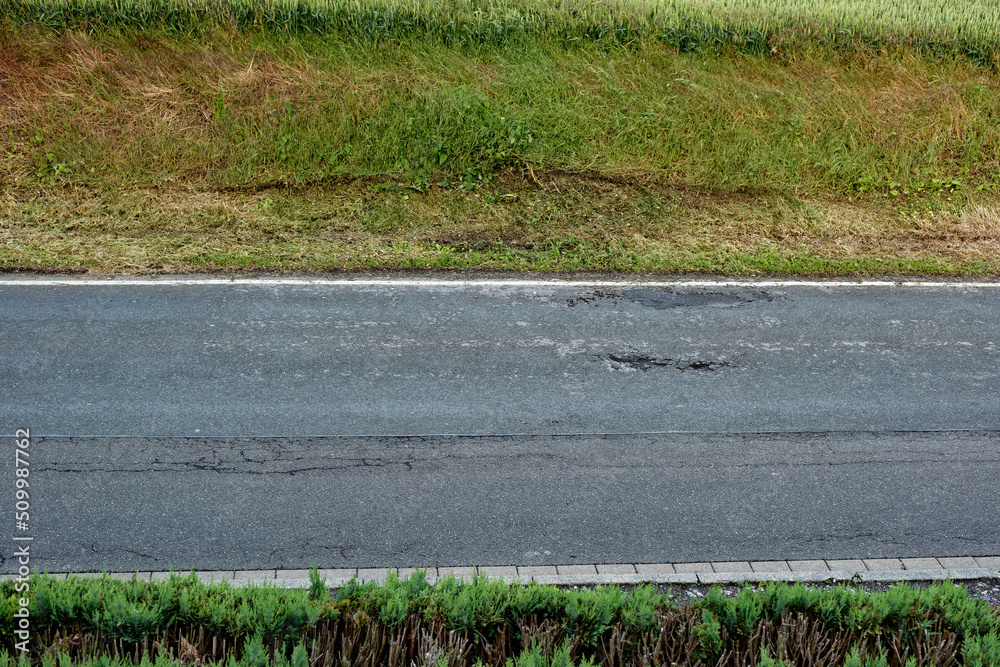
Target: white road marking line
403 282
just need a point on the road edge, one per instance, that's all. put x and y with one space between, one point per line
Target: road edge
818 571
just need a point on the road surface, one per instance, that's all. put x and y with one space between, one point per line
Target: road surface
264 424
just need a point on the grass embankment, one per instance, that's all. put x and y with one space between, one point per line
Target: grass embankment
109 622
805 138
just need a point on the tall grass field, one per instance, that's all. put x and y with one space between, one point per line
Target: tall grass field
969 27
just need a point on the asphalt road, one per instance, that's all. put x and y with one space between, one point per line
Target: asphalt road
251 425
128 504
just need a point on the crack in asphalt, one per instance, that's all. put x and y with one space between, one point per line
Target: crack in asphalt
584 462
278 556
138 553
454 455
186 466
271 457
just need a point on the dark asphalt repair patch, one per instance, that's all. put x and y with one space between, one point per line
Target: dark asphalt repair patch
644 363
668 298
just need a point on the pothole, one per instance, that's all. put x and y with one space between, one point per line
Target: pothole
638 362
594 296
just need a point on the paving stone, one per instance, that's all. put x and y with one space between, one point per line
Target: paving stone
264 575
207 576
690 568
498 571
908 575
769 566
536 570
182 573
215 576
731 566
990 562
685 578
124 576
956 563
335 573
619 568
372 573
847 565
654 568
710 578
576 569
285 574
920 564
459 572
808 566
283 583
811 575
880 564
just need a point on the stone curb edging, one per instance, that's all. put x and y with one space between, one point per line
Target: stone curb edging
863 570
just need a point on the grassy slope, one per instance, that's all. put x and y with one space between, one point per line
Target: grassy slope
149 151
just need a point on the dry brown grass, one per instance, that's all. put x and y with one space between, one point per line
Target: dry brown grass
348 225
146 92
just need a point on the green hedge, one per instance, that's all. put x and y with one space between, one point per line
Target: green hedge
492 622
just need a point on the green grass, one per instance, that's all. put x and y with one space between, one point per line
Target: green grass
795 137
252 111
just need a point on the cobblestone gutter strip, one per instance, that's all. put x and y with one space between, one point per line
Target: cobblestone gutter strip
862 570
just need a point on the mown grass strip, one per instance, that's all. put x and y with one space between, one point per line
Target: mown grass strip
576 224
496 623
